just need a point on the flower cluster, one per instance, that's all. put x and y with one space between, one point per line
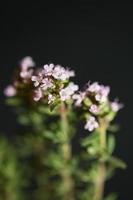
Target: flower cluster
26 65
94 101
91 123
100 92
23 76
51 84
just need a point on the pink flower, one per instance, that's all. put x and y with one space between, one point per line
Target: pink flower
26 62
91 124
78 98
46 83
94 109
102 94
115 106
48 69
70 73
10 91
66 93
60 73
37 94
94 87
37 79
26 74
72 88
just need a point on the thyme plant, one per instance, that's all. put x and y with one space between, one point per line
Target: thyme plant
49 106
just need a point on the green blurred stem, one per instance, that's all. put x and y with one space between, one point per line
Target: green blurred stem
101 173
67 180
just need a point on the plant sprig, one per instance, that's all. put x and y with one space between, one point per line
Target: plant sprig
49 105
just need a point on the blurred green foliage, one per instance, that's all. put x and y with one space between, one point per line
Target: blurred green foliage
39 164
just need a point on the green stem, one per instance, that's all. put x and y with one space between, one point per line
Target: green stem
67 181
101 172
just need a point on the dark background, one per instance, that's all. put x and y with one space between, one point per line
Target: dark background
95 39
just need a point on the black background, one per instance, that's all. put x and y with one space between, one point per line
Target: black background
95 39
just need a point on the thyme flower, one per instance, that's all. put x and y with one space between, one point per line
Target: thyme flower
25 66
10 91
91 124
67 92
116 106
94 109
100 92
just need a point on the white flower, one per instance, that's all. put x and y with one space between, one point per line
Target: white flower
78 98
37 94
60 73
10 91
66 93
46 83
72 88
37 79
26 62
94 87
94 109
115 106
51 98
91 124
70 73
102 94
48 69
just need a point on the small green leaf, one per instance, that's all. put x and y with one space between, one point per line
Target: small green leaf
49 135
111 144
36 118
114 128
23 119
53 106
116 162
110 116
90 139
112 196
14 101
